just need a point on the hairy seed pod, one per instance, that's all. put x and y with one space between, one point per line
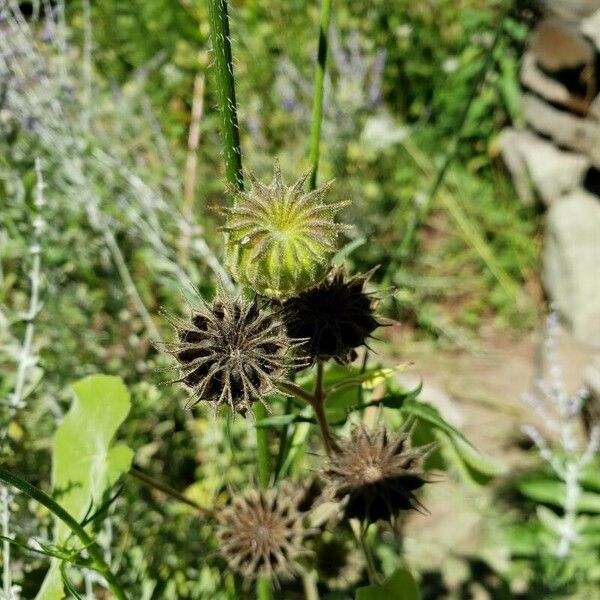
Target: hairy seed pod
262 533
280 240
375 474
333 318
230 352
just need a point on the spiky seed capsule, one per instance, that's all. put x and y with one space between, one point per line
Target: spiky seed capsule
332 318
338 561
230 352
376 473
262 533
280 240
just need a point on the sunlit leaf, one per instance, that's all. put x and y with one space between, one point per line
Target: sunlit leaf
85 463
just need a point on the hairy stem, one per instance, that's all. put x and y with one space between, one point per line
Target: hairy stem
287 387
317 110
90 545
221 41
219 26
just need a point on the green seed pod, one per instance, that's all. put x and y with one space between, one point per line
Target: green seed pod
281 240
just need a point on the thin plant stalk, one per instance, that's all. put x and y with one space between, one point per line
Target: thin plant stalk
221 41
317 109
93 549
191 164
360 533
6 576
262 447
169 491
319 408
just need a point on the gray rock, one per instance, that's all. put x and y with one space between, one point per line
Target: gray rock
591 378
558 45
591 28
575 133
571 10
571 263
534 160
536 80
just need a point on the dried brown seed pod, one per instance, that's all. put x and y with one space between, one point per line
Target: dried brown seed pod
230 352
333 318
375 473
262 533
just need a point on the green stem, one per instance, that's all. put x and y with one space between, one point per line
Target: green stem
263 588
317 110
361 536
221 42
371 570
283 440
420 213
287 387
90 545
262 447
318 405
169 491
219 25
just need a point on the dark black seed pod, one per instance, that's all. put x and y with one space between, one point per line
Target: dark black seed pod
333 318
262 533
375 474
230 352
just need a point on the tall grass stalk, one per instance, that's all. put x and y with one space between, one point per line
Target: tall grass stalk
317 110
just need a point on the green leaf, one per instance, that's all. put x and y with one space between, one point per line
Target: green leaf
85 464
524 540
474 459
399 586
552 492
347 250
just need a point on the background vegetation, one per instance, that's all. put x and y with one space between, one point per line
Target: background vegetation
103 96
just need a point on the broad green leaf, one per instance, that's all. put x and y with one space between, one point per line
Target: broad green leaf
399 586
551 491
84 463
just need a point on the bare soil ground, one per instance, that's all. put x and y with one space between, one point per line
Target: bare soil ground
481 394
